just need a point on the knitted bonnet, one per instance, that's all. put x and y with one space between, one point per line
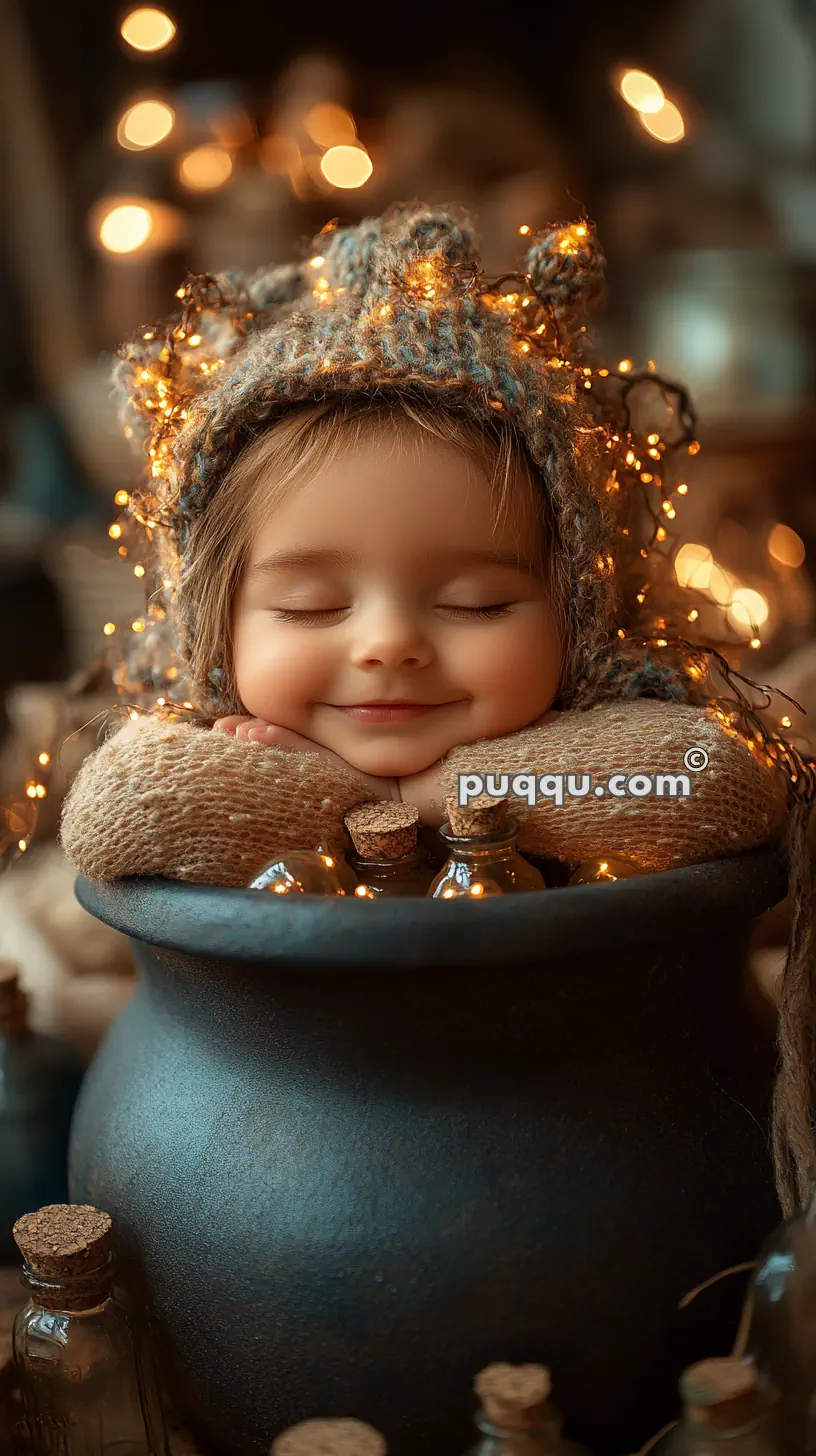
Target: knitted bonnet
400 303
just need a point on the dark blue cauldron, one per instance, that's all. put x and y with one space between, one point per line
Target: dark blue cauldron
358 1150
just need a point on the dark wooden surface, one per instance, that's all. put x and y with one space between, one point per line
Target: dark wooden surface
12 1439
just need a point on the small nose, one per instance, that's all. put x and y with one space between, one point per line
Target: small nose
390 637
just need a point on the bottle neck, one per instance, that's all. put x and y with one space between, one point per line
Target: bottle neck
70 1293
543 1421
363 866
708 1425
480 847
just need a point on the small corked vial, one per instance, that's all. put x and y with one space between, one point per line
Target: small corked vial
389 858
481 840
13 1000
722 1394
384 830
482 815
67 1253
342 1437
514 1397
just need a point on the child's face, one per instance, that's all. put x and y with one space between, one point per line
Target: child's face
383 602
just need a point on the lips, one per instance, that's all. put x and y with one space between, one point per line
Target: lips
386 712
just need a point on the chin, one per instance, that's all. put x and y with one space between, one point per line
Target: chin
392 761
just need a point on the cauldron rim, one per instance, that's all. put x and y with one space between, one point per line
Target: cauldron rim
217 923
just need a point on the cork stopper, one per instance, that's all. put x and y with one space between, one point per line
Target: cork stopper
13 999
721 1393
384 830
67 1246
345 1437
514 1397
483 815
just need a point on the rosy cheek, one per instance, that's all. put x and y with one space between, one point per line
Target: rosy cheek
278 672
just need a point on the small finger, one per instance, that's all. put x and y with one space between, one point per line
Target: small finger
227 725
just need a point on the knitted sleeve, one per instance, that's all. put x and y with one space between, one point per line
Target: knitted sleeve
183 802
735 803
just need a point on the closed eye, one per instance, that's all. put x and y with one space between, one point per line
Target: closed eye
282 614
311 618
499 610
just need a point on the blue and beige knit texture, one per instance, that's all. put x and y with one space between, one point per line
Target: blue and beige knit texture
400 303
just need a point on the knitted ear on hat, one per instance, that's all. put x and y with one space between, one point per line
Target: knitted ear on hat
565 266
381 253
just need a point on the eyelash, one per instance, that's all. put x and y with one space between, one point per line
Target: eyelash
463 613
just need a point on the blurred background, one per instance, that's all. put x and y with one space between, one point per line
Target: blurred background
140 143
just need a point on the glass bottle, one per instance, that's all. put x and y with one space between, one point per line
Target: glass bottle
343 1437
300 872
336 859
483 858
388 858
724 1413
605 869
83 1392
516 1416
782 1338
39 1081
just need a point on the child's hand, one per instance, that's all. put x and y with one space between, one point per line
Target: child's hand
257 730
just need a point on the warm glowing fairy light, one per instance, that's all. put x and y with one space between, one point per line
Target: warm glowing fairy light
147 29
205 168
747 610
109 629
693 565
145 125
115 531
665 125
641 91
785 546
126 228
330 125
121 498
347 167
624 366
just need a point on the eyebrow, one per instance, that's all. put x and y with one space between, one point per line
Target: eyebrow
326 557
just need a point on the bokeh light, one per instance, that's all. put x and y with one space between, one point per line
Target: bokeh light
692 565
748 610
147 29
665 125
785 546
125 228
641 91
145 125
330 125
346 166
205 168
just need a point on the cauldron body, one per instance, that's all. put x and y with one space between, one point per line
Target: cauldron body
358 1150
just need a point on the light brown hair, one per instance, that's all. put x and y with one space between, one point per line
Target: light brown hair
308 438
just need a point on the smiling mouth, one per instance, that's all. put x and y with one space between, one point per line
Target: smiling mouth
387 712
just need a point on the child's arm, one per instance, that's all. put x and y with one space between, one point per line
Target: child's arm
734 804
180 801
